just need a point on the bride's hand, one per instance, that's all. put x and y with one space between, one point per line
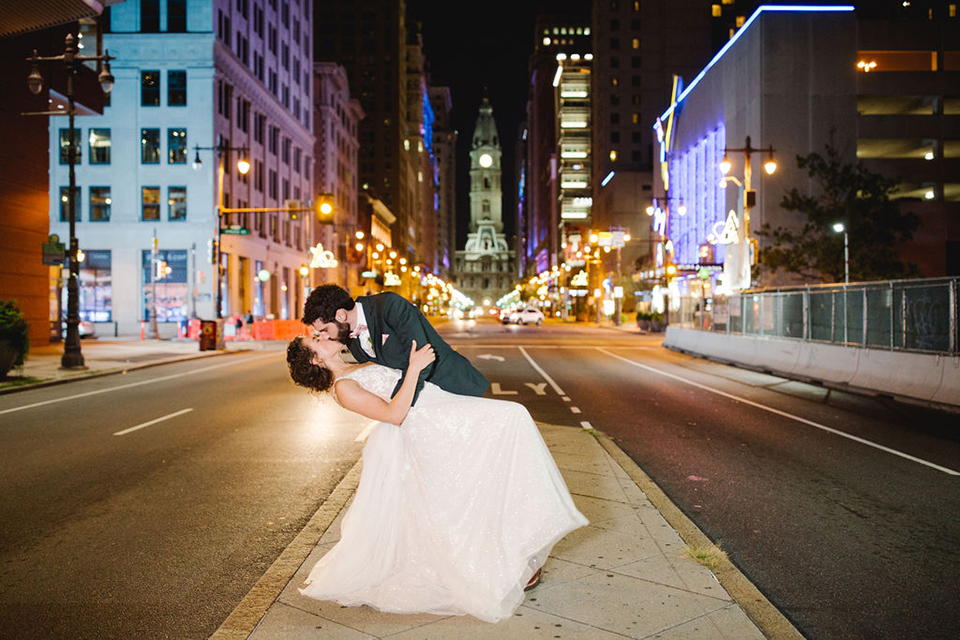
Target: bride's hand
420 358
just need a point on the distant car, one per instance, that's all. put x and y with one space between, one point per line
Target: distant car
84 328
529 315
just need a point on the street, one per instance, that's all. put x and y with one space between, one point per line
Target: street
841 509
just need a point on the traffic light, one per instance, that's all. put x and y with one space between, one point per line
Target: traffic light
324 208
293 208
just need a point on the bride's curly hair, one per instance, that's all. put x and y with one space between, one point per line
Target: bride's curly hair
302 369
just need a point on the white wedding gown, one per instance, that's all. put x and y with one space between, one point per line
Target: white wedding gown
455 509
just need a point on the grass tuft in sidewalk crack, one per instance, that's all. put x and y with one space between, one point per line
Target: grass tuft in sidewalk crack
711 557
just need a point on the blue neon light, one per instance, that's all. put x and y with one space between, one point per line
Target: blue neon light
741 31
607 179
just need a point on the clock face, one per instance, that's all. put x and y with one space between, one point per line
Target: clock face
486 160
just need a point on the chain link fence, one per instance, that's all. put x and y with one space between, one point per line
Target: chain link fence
908 315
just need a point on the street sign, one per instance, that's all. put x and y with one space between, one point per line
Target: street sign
235 231
54 251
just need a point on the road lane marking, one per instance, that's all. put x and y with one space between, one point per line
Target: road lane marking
538 388
543 373
784 414
497 391
134 384
574 409
363 435
147 424
586 425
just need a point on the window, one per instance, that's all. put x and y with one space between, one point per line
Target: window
176 88
65 204
177 16
100 204
150 16
296 159
635 43
285 55
150 146
224 99
243 114
259 123
170 284
65 145
176 146
274 139
99 141
96 292
177 203
716 11
286 151
150 198
150 88
272 39
273 185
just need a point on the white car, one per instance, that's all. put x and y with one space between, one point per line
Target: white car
527 316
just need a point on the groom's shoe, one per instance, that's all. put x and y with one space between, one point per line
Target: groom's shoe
534 580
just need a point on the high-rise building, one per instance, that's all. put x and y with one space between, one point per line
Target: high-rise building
485 267
202 83
369 39
337 118
559 35
445 153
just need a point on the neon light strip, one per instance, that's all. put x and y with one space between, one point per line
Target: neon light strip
741 31
607 179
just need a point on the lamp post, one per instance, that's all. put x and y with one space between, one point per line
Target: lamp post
72 357
840 228
748 252
243 166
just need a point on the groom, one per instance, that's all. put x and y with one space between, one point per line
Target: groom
380 328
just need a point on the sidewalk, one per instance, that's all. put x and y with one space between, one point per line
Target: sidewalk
626 574
103 357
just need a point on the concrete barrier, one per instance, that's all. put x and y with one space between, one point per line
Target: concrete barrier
924 377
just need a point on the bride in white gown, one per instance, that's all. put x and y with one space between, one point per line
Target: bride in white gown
457 507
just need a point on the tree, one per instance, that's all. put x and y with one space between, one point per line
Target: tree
856 197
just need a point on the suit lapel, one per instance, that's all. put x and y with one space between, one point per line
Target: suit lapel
373 327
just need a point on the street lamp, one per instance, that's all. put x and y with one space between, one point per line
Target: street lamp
840 228
749 198
72 357
243 166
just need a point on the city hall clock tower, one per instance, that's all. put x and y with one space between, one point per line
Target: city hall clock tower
485 267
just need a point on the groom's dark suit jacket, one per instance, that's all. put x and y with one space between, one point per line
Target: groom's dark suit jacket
393 323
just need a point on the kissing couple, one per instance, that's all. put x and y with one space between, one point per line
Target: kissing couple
459 502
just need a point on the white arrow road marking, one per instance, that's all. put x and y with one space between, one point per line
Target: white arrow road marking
538 389
782 413
497 391
543 373
147 424
490 356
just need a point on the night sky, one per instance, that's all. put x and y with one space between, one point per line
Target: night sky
472 45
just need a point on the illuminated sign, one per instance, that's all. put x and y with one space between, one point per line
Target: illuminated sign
726 232
579 280
320 259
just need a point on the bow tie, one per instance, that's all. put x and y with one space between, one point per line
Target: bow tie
356 333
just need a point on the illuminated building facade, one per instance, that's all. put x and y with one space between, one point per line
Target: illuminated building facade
791 81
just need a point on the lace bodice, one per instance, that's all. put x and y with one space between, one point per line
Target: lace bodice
375 378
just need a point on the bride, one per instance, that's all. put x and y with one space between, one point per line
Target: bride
459 502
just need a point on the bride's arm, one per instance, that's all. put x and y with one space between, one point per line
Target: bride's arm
357 399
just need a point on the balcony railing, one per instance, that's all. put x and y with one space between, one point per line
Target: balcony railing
906 315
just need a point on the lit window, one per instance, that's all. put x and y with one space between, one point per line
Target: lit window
150 200
897 60
614 81
100 202
716 11
99 141
952 10
635 43
613 155
65 145
150 146
177 203
176 88
177 146
65 204
740 21
149 88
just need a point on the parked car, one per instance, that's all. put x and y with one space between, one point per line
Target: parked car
85 328
529 315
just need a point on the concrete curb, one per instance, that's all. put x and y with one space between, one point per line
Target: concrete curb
247 615
761 611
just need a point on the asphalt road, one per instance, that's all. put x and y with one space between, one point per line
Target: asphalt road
842 509
158 532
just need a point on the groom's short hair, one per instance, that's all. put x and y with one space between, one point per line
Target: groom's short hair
323 303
